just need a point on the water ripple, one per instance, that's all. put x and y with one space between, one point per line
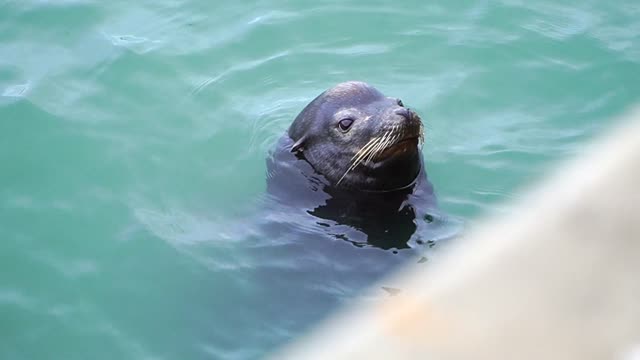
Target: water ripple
244 66
19 90
139 45
557 21
15 297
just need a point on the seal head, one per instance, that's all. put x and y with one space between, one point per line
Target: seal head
357 138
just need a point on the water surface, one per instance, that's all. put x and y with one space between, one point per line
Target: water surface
134 138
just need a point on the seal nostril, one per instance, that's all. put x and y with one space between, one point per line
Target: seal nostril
404 112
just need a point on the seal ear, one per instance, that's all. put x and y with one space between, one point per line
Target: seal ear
297 146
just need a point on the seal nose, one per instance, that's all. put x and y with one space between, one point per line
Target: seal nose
404 112
409 121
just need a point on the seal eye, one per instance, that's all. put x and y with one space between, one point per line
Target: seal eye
400 103
345 124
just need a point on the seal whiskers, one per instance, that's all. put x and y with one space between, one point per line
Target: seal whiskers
389 139
373 148
365 148
381 144
360 155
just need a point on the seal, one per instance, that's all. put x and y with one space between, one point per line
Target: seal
353 156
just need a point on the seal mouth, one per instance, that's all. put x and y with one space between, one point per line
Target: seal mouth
400 147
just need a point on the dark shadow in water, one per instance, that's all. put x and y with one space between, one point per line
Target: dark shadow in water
385 219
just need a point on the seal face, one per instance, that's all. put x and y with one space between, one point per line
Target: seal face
352 157
358 138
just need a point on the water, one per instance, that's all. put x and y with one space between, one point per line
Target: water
134 137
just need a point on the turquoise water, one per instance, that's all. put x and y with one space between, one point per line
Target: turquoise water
134 137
